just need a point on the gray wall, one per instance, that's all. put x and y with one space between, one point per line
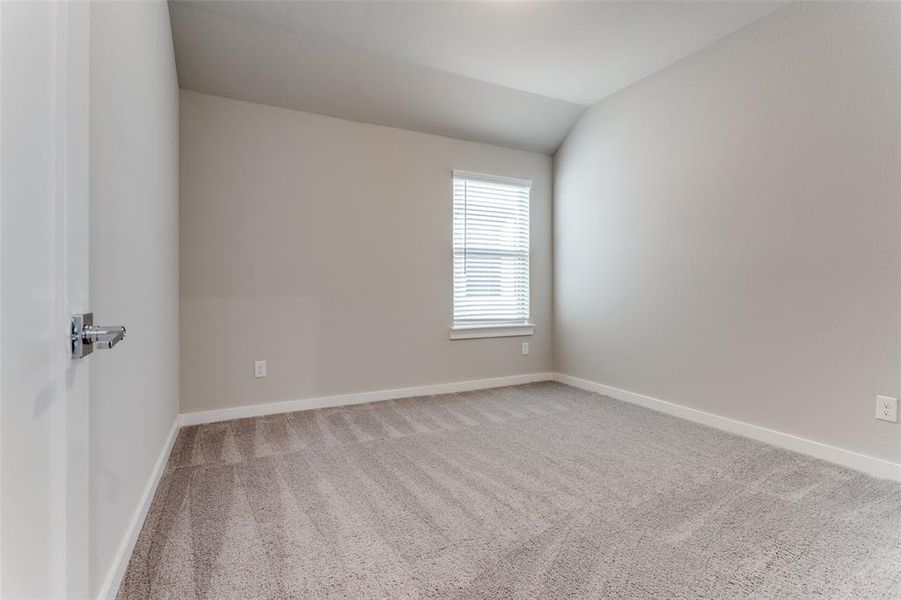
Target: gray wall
727 230
134 261
323 246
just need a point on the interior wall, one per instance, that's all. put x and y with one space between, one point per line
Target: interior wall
323 246
134 261
727 230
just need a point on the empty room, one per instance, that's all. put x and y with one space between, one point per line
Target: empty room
450 299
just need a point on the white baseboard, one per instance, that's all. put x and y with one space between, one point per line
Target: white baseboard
123 554
871 465
257 410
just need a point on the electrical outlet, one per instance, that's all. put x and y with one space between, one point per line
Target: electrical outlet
525 348
887 409
259 369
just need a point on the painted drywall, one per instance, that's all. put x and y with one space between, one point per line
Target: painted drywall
323 246
134 261
580 52
727 230
245 61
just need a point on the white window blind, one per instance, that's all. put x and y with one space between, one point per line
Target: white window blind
491 250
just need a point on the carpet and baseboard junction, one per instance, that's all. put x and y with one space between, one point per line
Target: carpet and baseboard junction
533 491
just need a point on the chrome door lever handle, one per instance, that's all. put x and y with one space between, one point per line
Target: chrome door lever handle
104 336
85 335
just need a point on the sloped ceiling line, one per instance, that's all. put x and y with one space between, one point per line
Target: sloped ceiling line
506 73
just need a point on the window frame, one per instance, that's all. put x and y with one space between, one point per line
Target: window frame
461 330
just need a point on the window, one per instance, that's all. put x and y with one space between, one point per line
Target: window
491 256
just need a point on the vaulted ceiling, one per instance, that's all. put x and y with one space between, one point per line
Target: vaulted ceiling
516 74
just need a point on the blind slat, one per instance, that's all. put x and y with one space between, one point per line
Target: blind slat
491 251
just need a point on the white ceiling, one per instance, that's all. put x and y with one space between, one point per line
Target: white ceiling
510 73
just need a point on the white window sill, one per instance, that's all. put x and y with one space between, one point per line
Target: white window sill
468 332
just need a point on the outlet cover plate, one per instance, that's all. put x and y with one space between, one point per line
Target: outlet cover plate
887 409
259 369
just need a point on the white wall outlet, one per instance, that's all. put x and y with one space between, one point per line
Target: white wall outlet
887 409
525 348
259 369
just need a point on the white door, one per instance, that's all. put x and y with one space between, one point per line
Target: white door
44 86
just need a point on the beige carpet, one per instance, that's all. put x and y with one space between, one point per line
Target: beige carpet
536 491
